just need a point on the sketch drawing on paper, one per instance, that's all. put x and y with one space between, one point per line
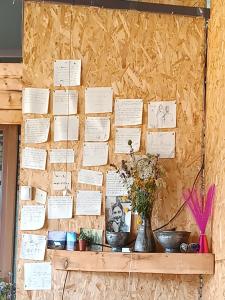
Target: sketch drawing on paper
162 114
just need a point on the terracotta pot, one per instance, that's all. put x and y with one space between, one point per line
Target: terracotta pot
82 245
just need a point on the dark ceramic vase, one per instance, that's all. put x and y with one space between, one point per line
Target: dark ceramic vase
145 241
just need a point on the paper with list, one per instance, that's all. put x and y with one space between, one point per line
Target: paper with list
60 207
90 177
37 130
66 128
123 135
128 112
35 101
162 114
88 203
162 143
97 129
67 72
65 102
98 100
37 276
60 156
115 185
33 246
61 181
95 154
33 158
40 196
32 217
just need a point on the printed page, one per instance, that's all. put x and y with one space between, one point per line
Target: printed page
88 203
97 129
37 276
162 114
35 101
128 112
98 100
33 158
61 181
32 217
90 177
66 128
36 130
123 135
65 102
33 246
40 196
67 72
60 156
60 207
115 185
26 193
95 154
162 143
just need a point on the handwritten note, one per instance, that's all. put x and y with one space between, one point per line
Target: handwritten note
114 185
37 130
40 196
67 72
35 101
128 112
162 114
162 143
33 246
98 100
90 177
97 129
60 207
61 181
32 217
26 193
37 276
123 135
66 128
95 154
65 102
88 203
60 156
33 158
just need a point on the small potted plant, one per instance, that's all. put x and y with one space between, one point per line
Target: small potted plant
84 240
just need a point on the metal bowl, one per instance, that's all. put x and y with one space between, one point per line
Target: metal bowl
117 240
171 240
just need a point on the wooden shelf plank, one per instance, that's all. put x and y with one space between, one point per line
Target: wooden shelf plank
155 263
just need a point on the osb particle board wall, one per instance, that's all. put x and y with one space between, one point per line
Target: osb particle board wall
141 55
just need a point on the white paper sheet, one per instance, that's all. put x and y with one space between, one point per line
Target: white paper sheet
60 156
65 102
88 203
40 196
35 101
95 154
61 181
60 207
66 128
115 185
98 100
162 143
32 217
128 112
33 246
33 158
162 114
37 130
123 135
37 276
67 72
97 129
90 177
26 193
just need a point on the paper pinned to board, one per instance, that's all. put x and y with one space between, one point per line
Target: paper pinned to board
98 100
60 207
60 156
128 112
65 102
90 177
162 143
33 246
35 101
37 276
162 114
25 193
114 185
32 217
88 203
36 130
33 158
97 129
67 72
40 196
66 128
123 135
95 154
61 181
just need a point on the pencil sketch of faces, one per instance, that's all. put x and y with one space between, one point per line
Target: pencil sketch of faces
163 116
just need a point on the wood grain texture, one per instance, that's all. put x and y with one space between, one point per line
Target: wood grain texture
11 117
